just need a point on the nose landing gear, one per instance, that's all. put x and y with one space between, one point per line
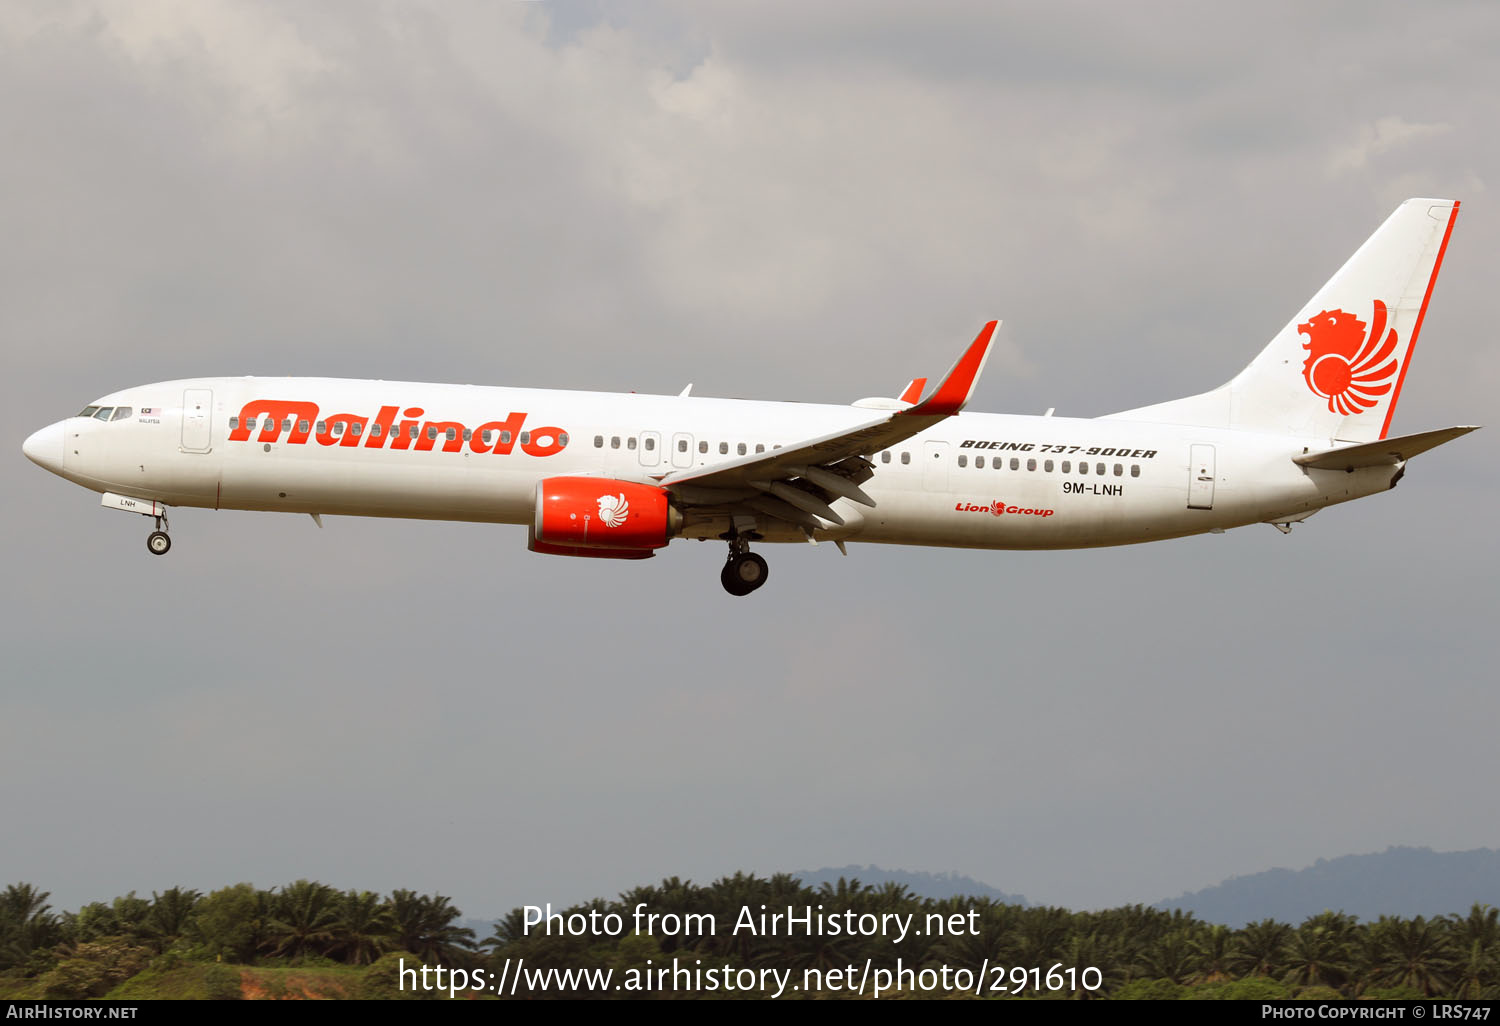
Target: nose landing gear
158 542
744 571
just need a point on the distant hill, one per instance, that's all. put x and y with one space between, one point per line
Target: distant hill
923 885
1398 881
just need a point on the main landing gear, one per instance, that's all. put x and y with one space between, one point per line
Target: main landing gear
158 542
744 571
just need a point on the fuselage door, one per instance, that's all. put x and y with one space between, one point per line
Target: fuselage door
197 404
649 448
935 467
1201 477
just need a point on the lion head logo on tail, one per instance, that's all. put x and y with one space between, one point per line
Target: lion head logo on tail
1349 368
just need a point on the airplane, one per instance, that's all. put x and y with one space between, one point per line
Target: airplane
618 476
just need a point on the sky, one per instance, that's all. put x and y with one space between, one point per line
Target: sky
771 200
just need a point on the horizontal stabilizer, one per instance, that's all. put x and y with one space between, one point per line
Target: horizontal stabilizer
1385 452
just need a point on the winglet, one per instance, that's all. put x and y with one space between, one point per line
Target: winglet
953 393
913 391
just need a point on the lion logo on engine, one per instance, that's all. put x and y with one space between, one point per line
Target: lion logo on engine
613 509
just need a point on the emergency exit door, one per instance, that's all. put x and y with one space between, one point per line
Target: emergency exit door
1201 477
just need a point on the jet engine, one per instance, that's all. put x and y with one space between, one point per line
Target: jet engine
601 517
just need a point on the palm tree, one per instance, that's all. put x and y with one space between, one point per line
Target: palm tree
168 918
1319 953
424 926
1260 948
304 920
1215 950
994 943
1414 952
27 924
507 931
1172 957
1478 940
362 927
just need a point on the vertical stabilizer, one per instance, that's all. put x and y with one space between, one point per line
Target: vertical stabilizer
1337 368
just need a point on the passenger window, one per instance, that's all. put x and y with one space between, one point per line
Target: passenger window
650 445
598 441
885 457
630 443
1099 469
906 457
286 425
413 432
759 447
525 437
740 449
1067 466
963 461
356 429
1015 464
723 448
682 445
234 422
103 412
1135 470
376 431
702 447
979 462
1031 464
303 426
562 439
505 438
322 427
614 441
453 434
121 412
1083 468
431 433
1119 470
1047 466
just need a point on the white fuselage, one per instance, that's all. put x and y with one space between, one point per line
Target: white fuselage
458 452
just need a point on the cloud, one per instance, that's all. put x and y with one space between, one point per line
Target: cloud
1373 140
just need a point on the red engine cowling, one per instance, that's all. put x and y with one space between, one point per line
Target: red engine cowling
600 517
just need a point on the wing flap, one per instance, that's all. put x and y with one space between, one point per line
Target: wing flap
796 483
784 464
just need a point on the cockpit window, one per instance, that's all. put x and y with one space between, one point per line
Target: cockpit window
104 412
122 412
88 411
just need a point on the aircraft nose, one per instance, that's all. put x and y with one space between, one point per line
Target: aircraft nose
45 447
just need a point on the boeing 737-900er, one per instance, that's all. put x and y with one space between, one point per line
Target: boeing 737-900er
618 476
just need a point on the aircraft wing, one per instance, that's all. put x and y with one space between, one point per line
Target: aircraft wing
1380 453
797 482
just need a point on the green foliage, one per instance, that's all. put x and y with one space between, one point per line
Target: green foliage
1151 990
1317 994
1398 993
232 923
221 983
310 939
94 969
382 980
1254 988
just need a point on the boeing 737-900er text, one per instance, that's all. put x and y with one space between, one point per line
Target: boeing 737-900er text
618 476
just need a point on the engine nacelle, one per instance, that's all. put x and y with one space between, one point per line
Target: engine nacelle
601 516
